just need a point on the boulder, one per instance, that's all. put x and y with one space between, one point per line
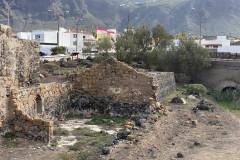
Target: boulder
191 97
131 137
180 155
63 60
154 117
179 100
204 105
106 150
89 58
123 134
158 104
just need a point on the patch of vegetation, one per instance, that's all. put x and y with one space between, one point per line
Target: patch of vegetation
180 91
227 95
54 142
196 89
61 132
182 78
50 67
100 58
224 133
228 99
68 72
71 64
106 120
58 50
10 141
10 135
84 155
92 140
67 156
215 122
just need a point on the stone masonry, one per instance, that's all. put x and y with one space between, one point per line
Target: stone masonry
119 89
19 59
19 65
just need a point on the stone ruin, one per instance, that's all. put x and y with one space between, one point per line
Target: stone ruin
29 108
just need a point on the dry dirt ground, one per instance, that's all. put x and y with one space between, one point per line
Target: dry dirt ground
215 137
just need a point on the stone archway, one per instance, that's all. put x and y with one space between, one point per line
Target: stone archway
39 104
227 84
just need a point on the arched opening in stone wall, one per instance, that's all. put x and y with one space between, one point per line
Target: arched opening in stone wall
39 104
230 93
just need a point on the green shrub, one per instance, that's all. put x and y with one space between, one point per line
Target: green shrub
106 120
50 67
182 78
227 95
197 89
83 155
71 64
100 58
10 135
61 132
58 50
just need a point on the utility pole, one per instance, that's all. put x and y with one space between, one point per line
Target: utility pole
58 30
58 16
77 36
200 16
8 7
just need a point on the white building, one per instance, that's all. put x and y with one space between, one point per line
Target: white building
72 39
220 42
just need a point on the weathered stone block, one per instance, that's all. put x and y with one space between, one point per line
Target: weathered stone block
38 122
48 123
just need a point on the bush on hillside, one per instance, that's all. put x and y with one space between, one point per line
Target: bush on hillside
58 50
50 67
182 78
196 89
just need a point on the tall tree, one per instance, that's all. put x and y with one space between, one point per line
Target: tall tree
143 38
126 47
104 45
189 58
161 37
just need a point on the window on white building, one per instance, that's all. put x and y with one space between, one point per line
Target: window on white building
84 36
74 42
74 35
37 36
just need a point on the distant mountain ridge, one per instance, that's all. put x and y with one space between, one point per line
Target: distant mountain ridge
219 17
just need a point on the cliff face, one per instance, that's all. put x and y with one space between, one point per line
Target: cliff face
219 17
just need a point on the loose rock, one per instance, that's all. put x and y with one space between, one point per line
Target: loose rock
179 100
180 155
106 150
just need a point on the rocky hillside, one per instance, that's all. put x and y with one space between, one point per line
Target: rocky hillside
219 17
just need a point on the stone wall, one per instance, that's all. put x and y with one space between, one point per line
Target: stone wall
222 74
6 84
19 59
34 129
27 111
164 83
41 101
115 81
113 87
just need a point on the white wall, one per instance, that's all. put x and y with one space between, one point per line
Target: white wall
231 49
24 35
50 37
220 40
80 41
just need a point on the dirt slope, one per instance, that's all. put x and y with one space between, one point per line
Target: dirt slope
217 132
